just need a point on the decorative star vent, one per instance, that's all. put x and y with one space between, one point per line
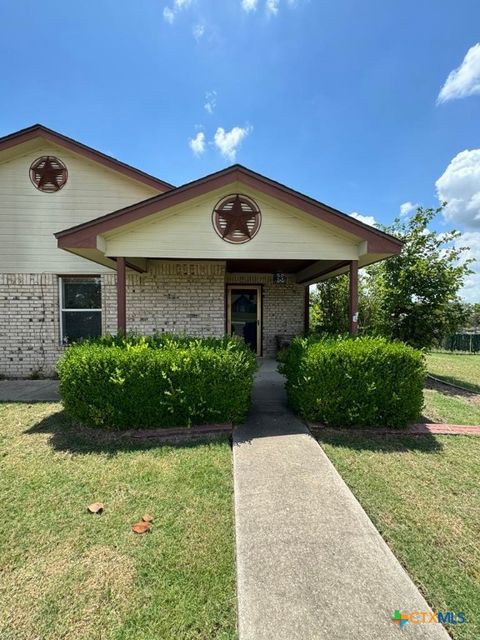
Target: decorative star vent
236 218
48 174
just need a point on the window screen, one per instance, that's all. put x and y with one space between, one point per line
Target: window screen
80 308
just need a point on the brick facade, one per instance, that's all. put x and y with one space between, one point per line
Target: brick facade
185 297
29 324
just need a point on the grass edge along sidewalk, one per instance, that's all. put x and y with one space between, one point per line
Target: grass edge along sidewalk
422 494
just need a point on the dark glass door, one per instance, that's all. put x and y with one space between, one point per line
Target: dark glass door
245 315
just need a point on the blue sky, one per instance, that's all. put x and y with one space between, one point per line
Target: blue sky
337 98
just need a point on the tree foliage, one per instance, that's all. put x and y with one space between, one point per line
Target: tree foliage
472 312
412 297
329 306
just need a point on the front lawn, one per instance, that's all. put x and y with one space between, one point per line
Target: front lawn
70 575
423 495
451 408
456 368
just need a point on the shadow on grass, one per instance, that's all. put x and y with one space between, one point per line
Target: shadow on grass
67 435
470 391
380 443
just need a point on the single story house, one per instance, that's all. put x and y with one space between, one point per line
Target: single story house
91 245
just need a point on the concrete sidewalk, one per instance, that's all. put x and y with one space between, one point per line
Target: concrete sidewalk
310 564
29 391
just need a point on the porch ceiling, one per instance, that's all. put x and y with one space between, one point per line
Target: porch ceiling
305 271
267 266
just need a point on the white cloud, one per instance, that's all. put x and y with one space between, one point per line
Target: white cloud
272 6
365 219
249 5
198 31
210 101
228 142
471 289
168 15
459 186
470 239
464 80
197 144
406 208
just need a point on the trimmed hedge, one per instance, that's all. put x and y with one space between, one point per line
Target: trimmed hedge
365 382
159 381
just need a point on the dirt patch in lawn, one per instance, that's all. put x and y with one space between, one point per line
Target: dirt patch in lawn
67 592
70 575
449 390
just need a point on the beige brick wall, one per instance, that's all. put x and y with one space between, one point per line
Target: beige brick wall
29 330
185 297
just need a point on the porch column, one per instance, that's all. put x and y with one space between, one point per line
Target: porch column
306 320
353 291
121 297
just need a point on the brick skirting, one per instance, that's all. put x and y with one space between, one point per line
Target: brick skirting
424 428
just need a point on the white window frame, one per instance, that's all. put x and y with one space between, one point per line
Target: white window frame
63 309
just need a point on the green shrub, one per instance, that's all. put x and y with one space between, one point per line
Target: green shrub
364 382
159 381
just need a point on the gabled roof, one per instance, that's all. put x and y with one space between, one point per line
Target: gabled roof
39 131
84 235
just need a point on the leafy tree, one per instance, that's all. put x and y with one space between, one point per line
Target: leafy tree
329 305
472 312
412 297
419 288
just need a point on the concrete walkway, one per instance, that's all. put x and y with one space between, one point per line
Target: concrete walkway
310 564
29 391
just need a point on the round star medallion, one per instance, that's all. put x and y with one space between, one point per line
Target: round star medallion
236 218
48 174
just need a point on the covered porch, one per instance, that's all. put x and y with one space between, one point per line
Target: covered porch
263 302
233 252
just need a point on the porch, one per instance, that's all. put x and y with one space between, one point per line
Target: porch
233 252
256 301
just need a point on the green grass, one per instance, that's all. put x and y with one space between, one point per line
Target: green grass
423 494
452 409
461 369
70 575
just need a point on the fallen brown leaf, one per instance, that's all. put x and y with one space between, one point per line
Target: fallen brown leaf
147 518
95 507
141 527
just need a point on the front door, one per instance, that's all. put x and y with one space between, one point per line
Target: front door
244 315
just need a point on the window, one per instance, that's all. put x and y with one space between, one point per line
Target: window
80 308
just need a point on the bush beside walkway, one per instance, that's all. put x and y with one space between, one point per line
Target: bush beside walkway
163 381
354 382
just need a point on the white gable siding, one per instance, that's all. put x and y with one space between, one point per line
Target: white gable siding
28 217
186 231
